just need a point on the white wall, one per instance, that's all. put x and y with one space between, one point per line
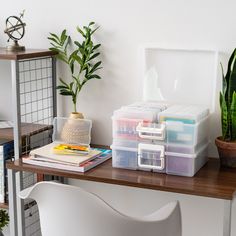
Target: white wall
124 26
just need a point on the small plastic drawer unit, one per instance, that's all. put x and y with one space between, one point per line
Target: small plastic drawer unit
169 139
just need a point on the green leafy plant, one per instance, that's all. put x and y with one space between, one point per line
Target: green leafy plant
4 219
81 61
228 100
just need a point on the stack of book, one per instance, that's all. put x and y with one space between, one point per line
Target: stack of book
32 135
76 158
6 152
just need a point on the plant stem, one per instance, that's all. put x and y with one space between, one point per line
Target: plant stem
75 107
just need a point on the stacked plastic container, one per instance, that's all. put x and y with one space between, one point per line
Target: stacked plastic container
153 136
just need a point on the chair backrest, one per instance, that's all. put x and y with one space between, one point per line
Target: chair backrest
69 210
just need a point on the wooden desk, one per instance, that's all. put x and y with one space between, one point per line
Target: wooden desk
210 181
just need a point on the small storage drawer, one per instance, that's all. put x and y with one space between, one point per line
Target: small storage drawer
186 134
126 120
184 164
125 158
124 128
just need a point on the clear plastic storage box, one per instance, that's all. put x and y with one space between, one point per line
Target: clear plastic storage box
186 164
72 131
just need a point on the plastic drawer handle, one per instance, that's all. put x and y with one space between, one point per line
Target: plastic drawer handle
150 130
155 148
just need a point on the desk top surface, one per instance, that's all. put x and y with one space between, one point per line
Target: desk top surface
28 53
210 181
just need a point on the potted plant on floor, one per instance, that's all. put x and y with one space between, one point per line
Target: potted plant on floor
82 61
226 144
4 220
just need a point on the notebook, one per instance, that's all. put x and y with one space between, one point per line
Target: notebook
46 152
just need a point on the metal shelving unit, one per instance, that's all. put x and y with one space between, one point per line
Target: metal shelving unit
33 77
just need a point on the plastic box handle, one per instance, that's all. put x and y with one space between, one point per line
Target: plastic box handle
155 148
159 131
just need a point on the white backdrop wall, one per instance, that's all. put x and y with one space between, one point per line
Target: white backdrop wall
125 25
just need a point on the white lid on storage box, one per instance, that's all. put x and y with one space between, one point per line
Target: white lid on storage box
180 76
186 113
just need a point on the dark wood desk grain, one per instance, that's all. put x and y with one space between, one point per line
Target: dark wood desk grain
28 53
210 181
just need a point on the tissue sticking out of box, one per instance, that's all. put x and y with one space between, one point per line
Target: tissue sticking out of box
151 90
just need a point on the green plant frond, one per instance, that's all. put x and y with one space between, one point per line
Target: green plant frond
94 30
63 36
78 59
63 82
61 87
96 47
232 80
224 116
66 93
94 77
55 36
53 39
229 64
67 43
58 47
233 117
71 85
80 31
77 44
4 219
224 83
94 56
91 23
62 58
55 50
95 67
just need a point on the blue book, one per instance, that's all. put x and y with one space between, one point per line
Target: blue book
6 152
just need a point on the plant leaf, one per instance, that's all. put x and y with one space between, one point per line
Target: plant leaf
66 93
224 82
94 77
63 36
224 116
96 46
233 117
54 40
93 56
61 87
78 59
77 44
95 67
80 31
95 30
91 23
63 82
55 36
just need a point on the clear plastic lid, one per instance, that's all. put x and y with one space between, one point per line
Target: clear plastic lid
189 114
180 76
72 131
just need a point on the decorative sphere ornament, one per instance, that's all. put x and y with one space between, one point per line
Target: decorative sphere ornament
15 29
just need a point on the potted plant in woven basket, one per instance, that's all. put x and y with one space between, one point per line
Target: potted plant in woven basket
81 60
226 143
4 220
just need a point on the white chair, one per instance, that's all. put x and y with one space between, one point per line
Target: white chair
69 210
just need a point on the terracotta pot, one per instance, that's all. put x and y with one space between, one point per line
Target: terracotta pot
227 152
